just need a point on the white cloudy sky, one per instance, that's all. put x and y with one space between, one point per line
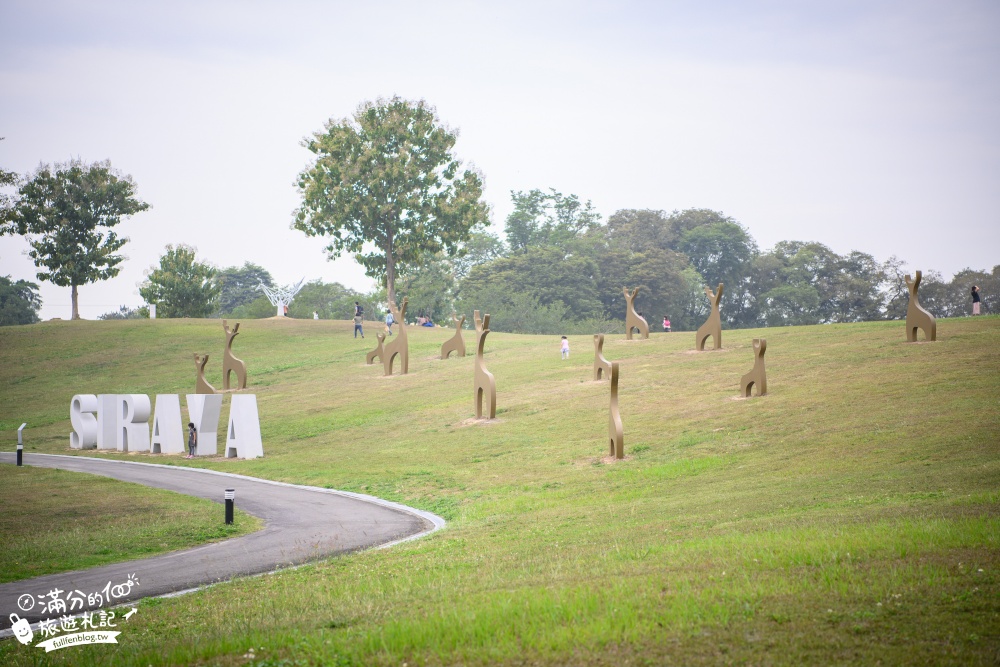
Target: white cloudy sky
868 125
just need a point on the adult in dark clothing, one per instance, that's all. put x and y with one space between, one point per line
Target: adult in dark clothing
975 299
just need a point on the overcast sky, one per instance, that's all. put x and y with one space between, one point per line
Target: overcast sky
869 125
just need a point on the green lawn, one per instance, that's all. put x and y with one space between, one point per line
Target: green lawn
54 521
851 516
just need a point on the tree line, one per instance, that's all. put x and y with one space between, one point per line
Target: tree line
561 268
386 187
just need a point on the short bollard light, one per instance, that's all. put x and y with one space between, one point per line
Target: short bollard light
20 445
230 501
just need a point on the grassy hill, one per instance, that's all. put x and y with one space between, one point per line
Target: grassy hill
850 516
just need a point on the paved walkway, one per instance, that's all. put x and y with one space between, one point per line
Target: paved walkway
301 524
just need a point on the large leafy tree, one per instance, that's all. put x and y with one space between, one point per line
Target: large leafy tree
19 301
332 301
67 213
430 289
387 178
240 286
181 286
547 219
723 252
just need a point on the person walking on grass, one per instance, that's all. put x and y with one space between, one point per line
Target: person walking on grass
192 440
358 321
389 321
975 299
565 347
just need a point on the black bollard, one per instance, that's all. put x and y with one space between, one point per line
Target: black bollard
230 501
20 445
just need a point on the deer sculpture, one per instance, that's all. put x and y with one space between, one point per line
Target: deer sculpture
201 385
713 325
456 343
400 345
616 435
916 316
484 386
757 375
632 319
230 364
601 365
378 351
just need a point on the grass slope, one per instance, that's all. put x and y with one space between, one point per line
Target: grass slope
850 516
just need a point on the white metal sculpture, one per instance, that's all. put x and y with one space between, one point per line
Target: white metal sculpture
133 432
280 297
81 416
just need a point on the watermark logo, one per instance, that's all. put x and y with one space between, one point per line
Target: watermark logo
74 618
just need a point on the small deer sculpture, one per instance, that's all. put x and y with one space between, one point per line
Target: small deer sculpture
484 385
916 316
601 365
400 345
713 325
616 435
230 364
757 375
378 351
632 319
201 385
456 343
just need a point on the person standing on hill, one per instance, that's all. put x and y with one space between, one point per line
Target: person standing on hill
565 347
192 440
975 299
358 321
666 324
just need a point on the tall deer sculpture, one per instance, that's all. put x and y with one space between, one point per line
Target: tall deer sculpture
201 384
601 365
456 343
378 352
484 386
400 345
713 325
632 319
230 364
757 375
916 316
616 435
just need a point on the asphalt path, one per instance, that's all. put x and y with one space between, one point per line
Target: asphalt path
301 524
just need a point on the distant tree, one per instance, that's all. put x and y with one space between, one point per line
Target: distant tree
639 253
181 286
482 247
332 301
548 275
126 313
240 285
7 179
684 221
258 309
960 290
430 288
551 218
387 177
640 230
19 302
513 311
723 252
67 213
